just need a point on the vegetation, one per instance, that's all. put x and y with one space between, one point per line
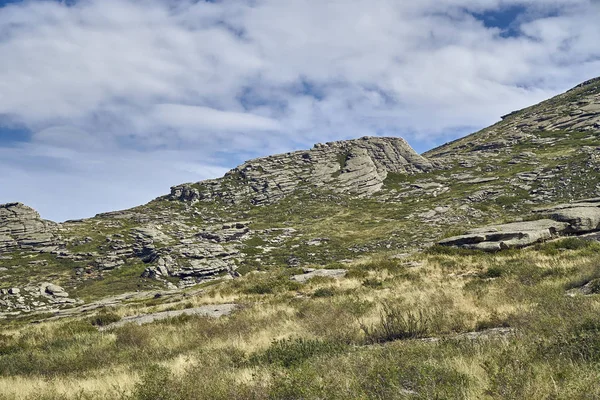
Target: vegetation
339 339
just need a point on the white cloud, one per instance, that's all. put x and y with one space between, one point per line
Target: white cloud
209 119
210 83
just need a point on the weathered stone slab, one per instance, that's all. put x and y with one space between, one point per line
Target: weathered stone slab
311 273
213 310
505 236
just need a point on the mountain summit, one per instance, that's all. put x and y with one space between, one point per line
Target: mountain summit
357 167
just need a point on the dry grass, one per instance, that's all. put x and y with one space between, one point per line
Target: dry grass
455 293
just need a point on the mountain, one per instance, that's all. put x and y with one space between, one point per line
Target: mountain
337 201
342 267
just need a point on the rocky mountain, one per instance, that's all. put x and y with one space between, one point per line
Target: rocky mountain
357 167
322 207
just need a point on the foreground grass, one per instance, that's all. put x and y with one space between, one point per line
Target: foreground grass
367 336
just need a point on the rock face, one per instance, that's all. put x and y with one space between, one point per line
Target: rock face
22 227
354 166
582 216
211 252
214 311
579 217
513 235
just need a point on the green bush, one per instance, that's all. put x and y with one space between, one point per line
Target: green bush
492 272
373 283
357 273
132 335
451 251
580 342
273 285
104 318
324 292
155 384
571 243
397 324
291 352
588 274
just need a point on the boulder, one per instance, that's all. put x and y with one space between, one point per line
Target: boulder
582 216
505 236
53 290
580 219
311 273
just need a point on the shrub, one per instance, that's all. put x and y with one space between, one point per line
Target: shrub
291 352
373 283
132 335
104 318
580 342
273 285
492 272
261 288
357 273
590 273
510 373
156 384
398 324
570 243
451 251
324 292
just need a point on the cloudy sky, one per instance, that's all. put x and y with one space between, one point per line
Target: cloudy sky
105 104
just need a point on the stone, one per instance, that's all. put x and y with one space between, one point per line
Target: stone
54 290
212 310
21 226
582 216
14 291
580 219
356 166
505 236
229 232
311 273
480 180
317 241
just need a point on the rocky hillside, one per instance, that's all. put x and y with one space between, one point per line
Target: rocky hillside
357 167
323 207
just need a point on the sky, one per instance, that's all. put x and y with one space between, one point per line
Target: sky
105 104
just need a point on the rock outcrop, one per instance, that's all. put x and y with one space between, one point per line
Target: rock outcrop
310 273
577 110
357 166
505 236
579 217
22 227
211 252
582 216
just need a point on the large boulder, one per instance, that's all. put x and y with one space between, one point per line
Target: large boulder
582 216
506 236
580 219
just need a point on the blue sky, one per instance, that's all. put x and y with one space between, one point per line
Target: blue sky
105 104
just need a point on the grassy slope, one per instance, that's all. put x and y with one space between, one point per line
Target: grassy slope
333 338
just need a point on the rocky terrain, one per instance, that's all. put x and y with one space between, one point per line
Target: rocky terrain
354 270
357 167
331 204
